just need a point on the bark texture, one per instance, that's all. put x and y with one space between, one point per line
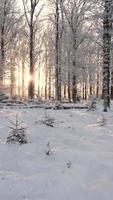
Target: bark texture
107 25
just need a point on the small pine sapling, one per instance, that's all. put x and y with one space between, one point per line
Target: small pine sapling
102 121
57 106
49 149
17 134
92 105
48 121
69 164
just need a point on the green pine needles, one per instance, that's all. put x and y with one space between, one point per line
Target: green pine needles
18 132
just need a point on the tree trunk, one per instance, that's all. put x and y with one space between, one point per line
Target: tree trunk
74 80
23 83
57 67
74 89
69 87
83 91
107 25
39 79
64 90
90 87
69 78
49 86
12 79
19 81
46 72
2 59
112 85
97 86
3 45
31 71
85 87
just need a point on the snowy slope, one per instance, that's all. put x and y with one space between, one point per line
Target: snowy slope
26 172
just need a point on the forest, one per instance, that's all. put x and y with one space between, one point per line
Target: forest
56 50
56 99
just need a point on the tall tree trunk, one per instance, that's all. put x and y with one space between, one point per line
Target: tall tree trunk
74 89
2 58
98 73
97 85
46 71
69 86
85 92
39 81
69 78
65 90
74 81
31 71
31 18
19 81
57 67
107 25
12 79
3 45
74 78
112 84
90 83
23 83
49 84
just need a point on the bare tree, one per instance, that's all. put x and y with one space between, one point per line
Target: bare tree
77 13
7 20
57 70
107 25
31 15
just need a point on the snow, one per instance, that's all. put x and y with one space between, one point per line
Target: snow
26 172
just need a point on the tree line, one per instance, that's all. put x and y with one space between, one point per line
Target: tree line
57 49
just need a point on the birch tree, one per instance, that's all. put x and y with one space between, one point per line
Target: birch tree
107 25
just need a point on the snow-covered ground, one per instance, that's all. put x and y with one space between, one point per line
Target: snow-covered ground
79 168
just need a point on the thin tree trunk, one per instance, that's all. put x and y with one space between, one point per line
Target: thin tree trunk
64 90
49 87
74 81
46 71
74 78
97 85
69 79
57 67
12 79
31 71
69 87
19 81
23 83
85 92
39 82
2 59
3 46
112 85
74 89
90 82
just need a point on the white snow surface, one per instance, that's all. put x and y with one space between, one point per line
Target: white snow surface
27 173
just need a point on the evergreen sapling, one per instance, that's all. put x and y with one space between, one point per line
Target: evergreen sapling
17 134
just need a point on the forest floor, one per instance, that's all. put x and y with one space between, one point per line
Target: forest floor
80 166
